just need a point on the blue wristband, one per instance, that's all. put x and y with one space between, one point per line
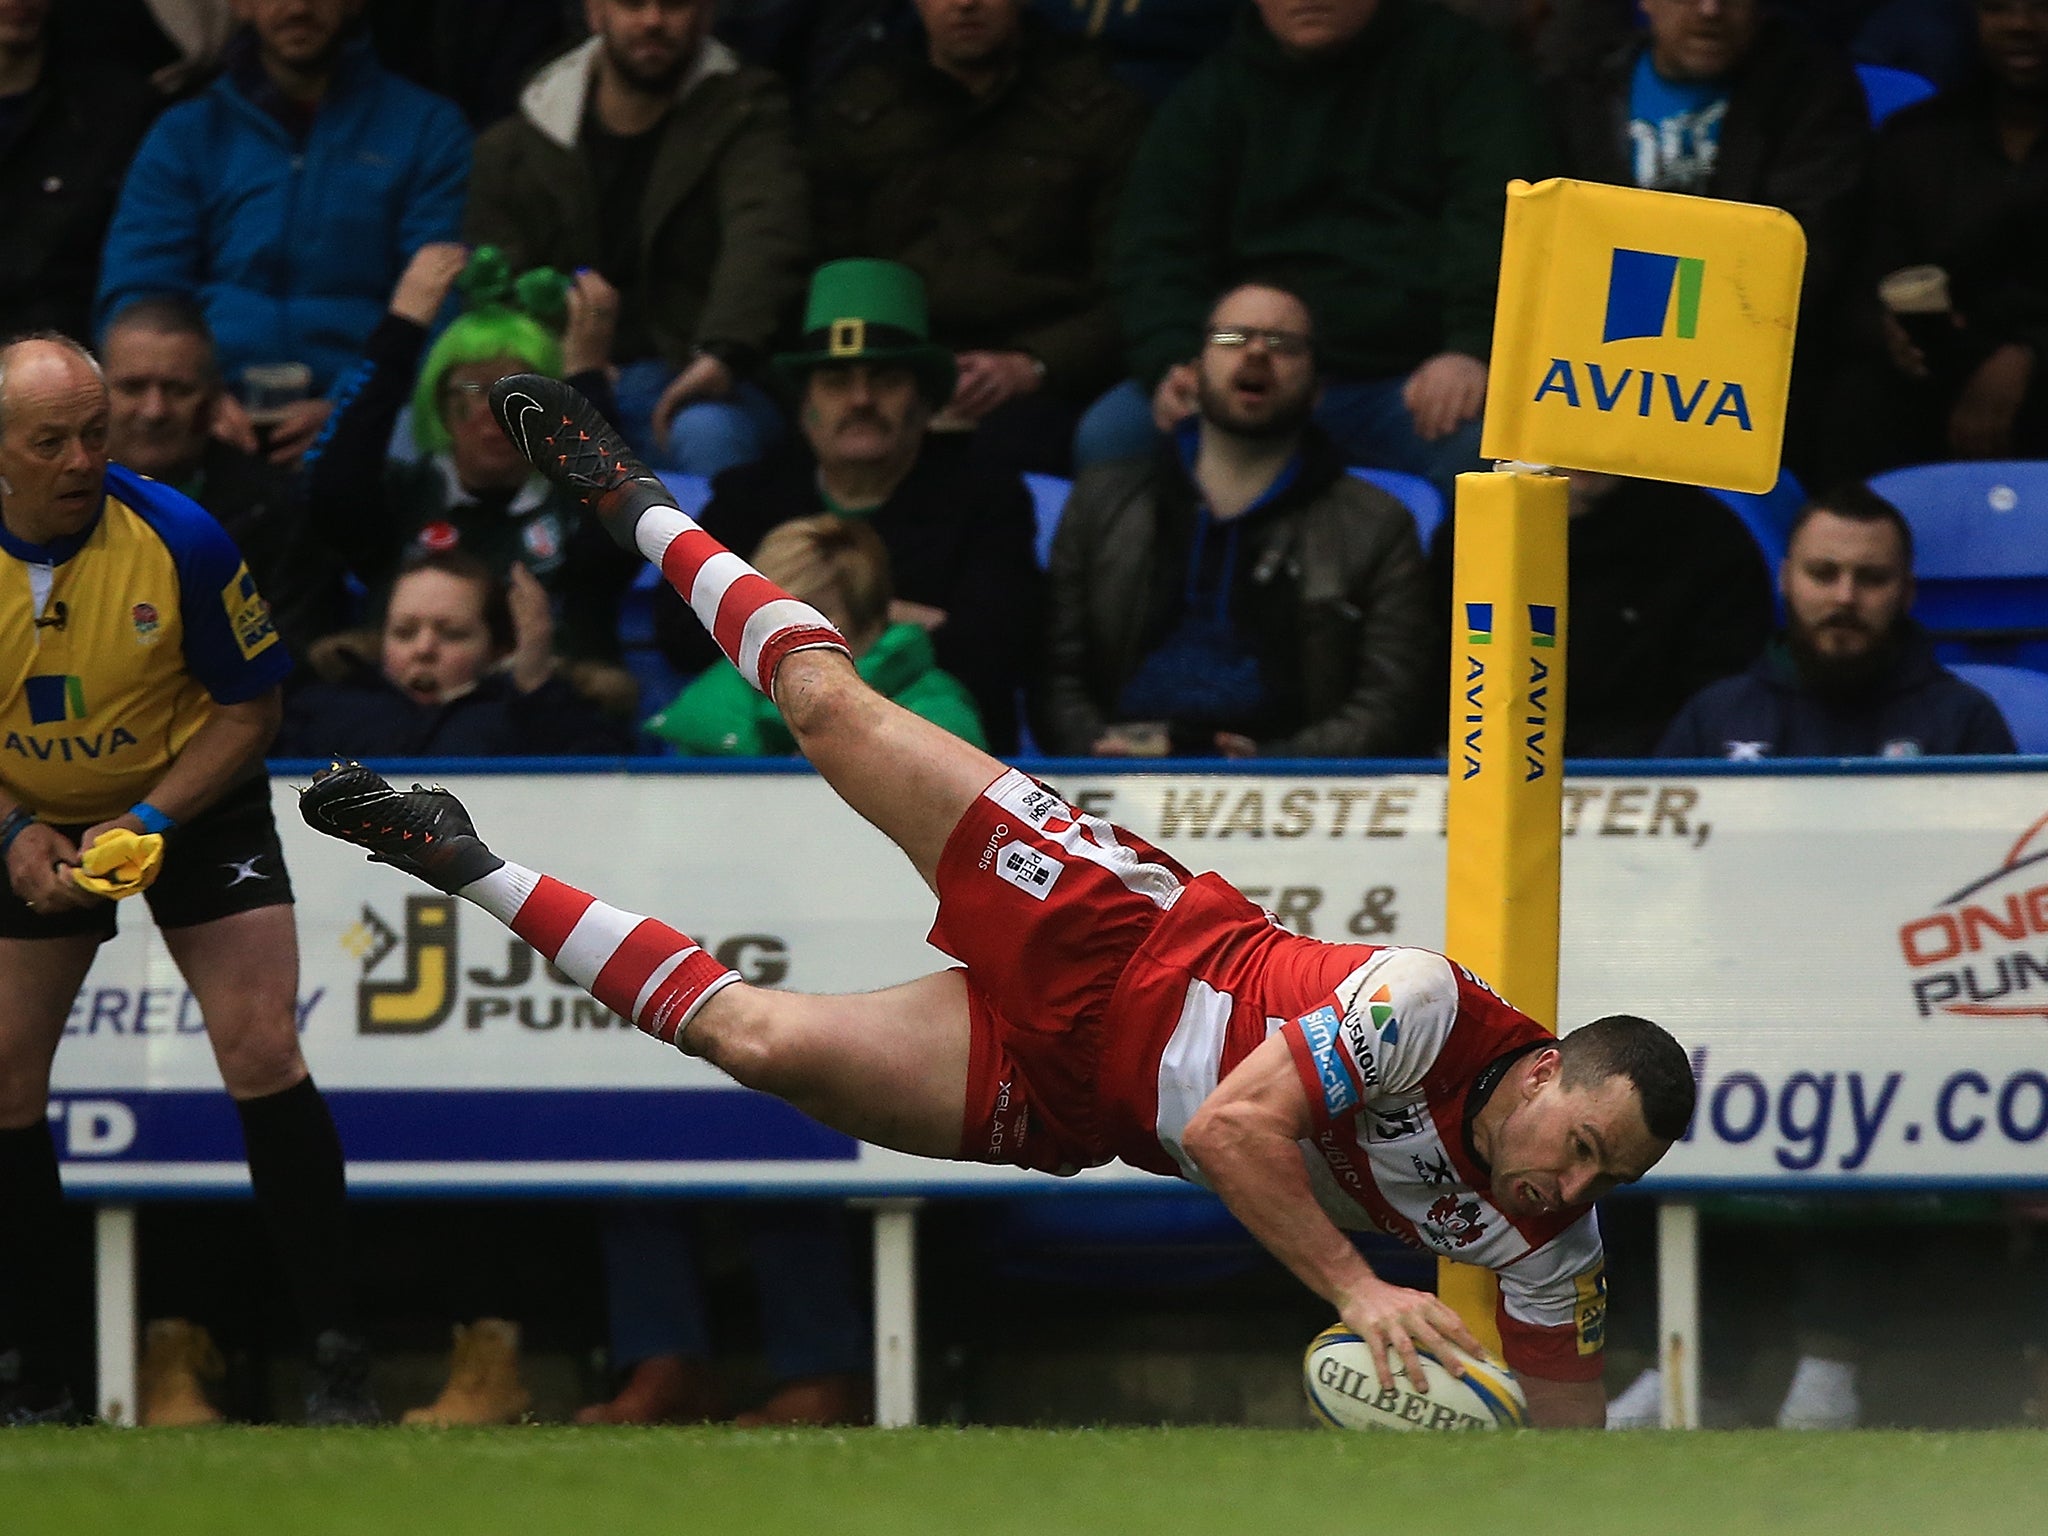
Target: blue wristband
152 819
16 822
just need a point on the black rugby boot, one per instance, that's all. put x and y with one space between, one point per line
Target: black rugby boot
426 832
563 436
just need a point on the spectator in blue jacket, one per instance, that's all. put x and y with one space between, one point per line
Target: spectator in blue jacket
286 199
1851 675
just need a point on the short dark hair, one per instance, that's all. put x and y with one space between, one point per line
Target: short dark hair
1622 1045
166 314
464 566
1860 504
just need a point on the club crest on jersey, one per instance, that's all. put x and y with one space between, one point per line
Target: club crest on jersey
146 622
1454 1221
1319 1030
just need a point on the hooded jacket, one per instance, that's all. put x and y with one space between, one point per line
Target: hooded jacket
1330 588
291 247
725 220
1920 709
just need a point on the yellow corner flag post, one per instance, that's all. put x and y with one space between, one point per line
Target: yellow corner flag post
1506 768
1637 333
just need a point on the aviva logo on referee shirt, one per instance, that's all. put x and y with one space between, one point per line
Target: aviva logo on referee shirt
54 697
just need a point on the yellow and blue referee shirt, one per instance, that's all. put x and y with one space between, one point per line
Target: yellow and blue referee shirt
116 643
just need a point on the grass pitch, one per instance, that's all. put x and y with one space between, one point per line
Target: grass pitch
995 1482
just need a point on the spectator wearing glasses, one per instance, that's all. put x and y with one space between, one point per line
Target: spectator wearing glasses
1356 151
472 491
1236 593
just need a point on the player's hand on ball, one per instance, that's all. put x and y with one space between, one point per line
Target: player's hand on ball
1395 1321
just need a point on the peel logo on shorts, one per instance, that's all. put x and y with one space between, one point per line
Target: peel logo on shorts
1319 1029
1032 872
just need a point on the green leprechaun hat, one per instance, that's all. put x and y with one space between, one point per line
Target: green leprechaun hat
862 310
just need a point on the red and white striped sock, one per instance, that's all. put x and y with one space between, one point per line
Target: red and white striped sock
639 968
754 621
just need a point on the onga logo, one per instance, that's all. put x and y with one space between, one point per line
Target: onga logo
1982 953
1651 296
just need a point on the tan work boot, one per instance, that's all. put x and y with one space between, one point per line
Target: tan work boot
484 1386
177 1356
813 1400
665 1389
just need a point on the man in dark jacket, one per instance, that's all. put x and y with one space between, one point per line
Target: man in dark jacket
1667 592
1959 183
163 390
989 160
654 156
1852 676
1237 592
287 197
68 126
1720 101
959 531
1356 152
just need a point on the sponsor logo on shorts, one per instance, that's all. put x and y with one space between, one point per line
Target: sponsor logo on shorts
1319 1029
1031 871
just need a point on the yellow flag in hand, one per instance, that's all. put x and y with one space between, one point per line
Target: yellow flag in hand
120 863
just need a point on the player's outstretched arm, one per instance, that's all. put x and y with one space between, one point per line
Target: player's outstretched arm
1244 1139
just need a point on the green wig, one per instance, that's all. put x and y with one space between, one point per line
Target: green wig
504 318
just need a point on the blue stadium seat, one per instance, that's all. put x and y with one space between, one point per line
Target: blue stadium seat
1423 500
1980 535
2021 696
1048 501
1768 515
1888 89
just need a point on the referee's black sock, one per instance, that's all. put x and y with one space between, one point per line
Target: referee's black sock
31 1239
295 1167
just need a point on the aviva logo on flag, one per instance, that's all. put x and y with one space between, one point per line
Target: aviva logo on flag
53 697
1643 333
1640 289
1479 623
1543 625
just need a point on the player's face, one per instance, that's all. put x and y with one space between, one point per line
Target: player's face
1846 585
436 641
485 459
1256 376
1699 39
649 42
53 444
161 395
1306 25
1569 1145
298 33
855 413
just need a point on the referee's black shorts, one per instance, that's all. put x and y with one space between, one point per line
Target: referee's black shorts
227 859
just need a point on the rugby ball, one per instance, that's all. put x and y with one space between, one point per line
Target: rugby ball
1344 1390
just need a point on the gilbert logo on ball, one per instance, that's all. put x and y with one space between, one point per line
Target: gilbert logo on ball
1344 1390
1644 333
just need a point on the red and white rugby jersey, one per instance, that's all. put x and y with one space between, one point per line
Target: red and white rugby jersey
1388 1050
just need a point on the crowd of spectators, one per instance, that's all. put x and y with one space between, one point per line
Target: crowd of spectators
867 265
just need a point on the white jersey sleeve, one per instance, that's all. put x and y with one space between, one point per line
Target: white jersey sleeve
1379 1034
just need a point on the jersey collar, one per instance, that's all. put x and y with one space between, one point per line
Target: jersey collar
57 551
